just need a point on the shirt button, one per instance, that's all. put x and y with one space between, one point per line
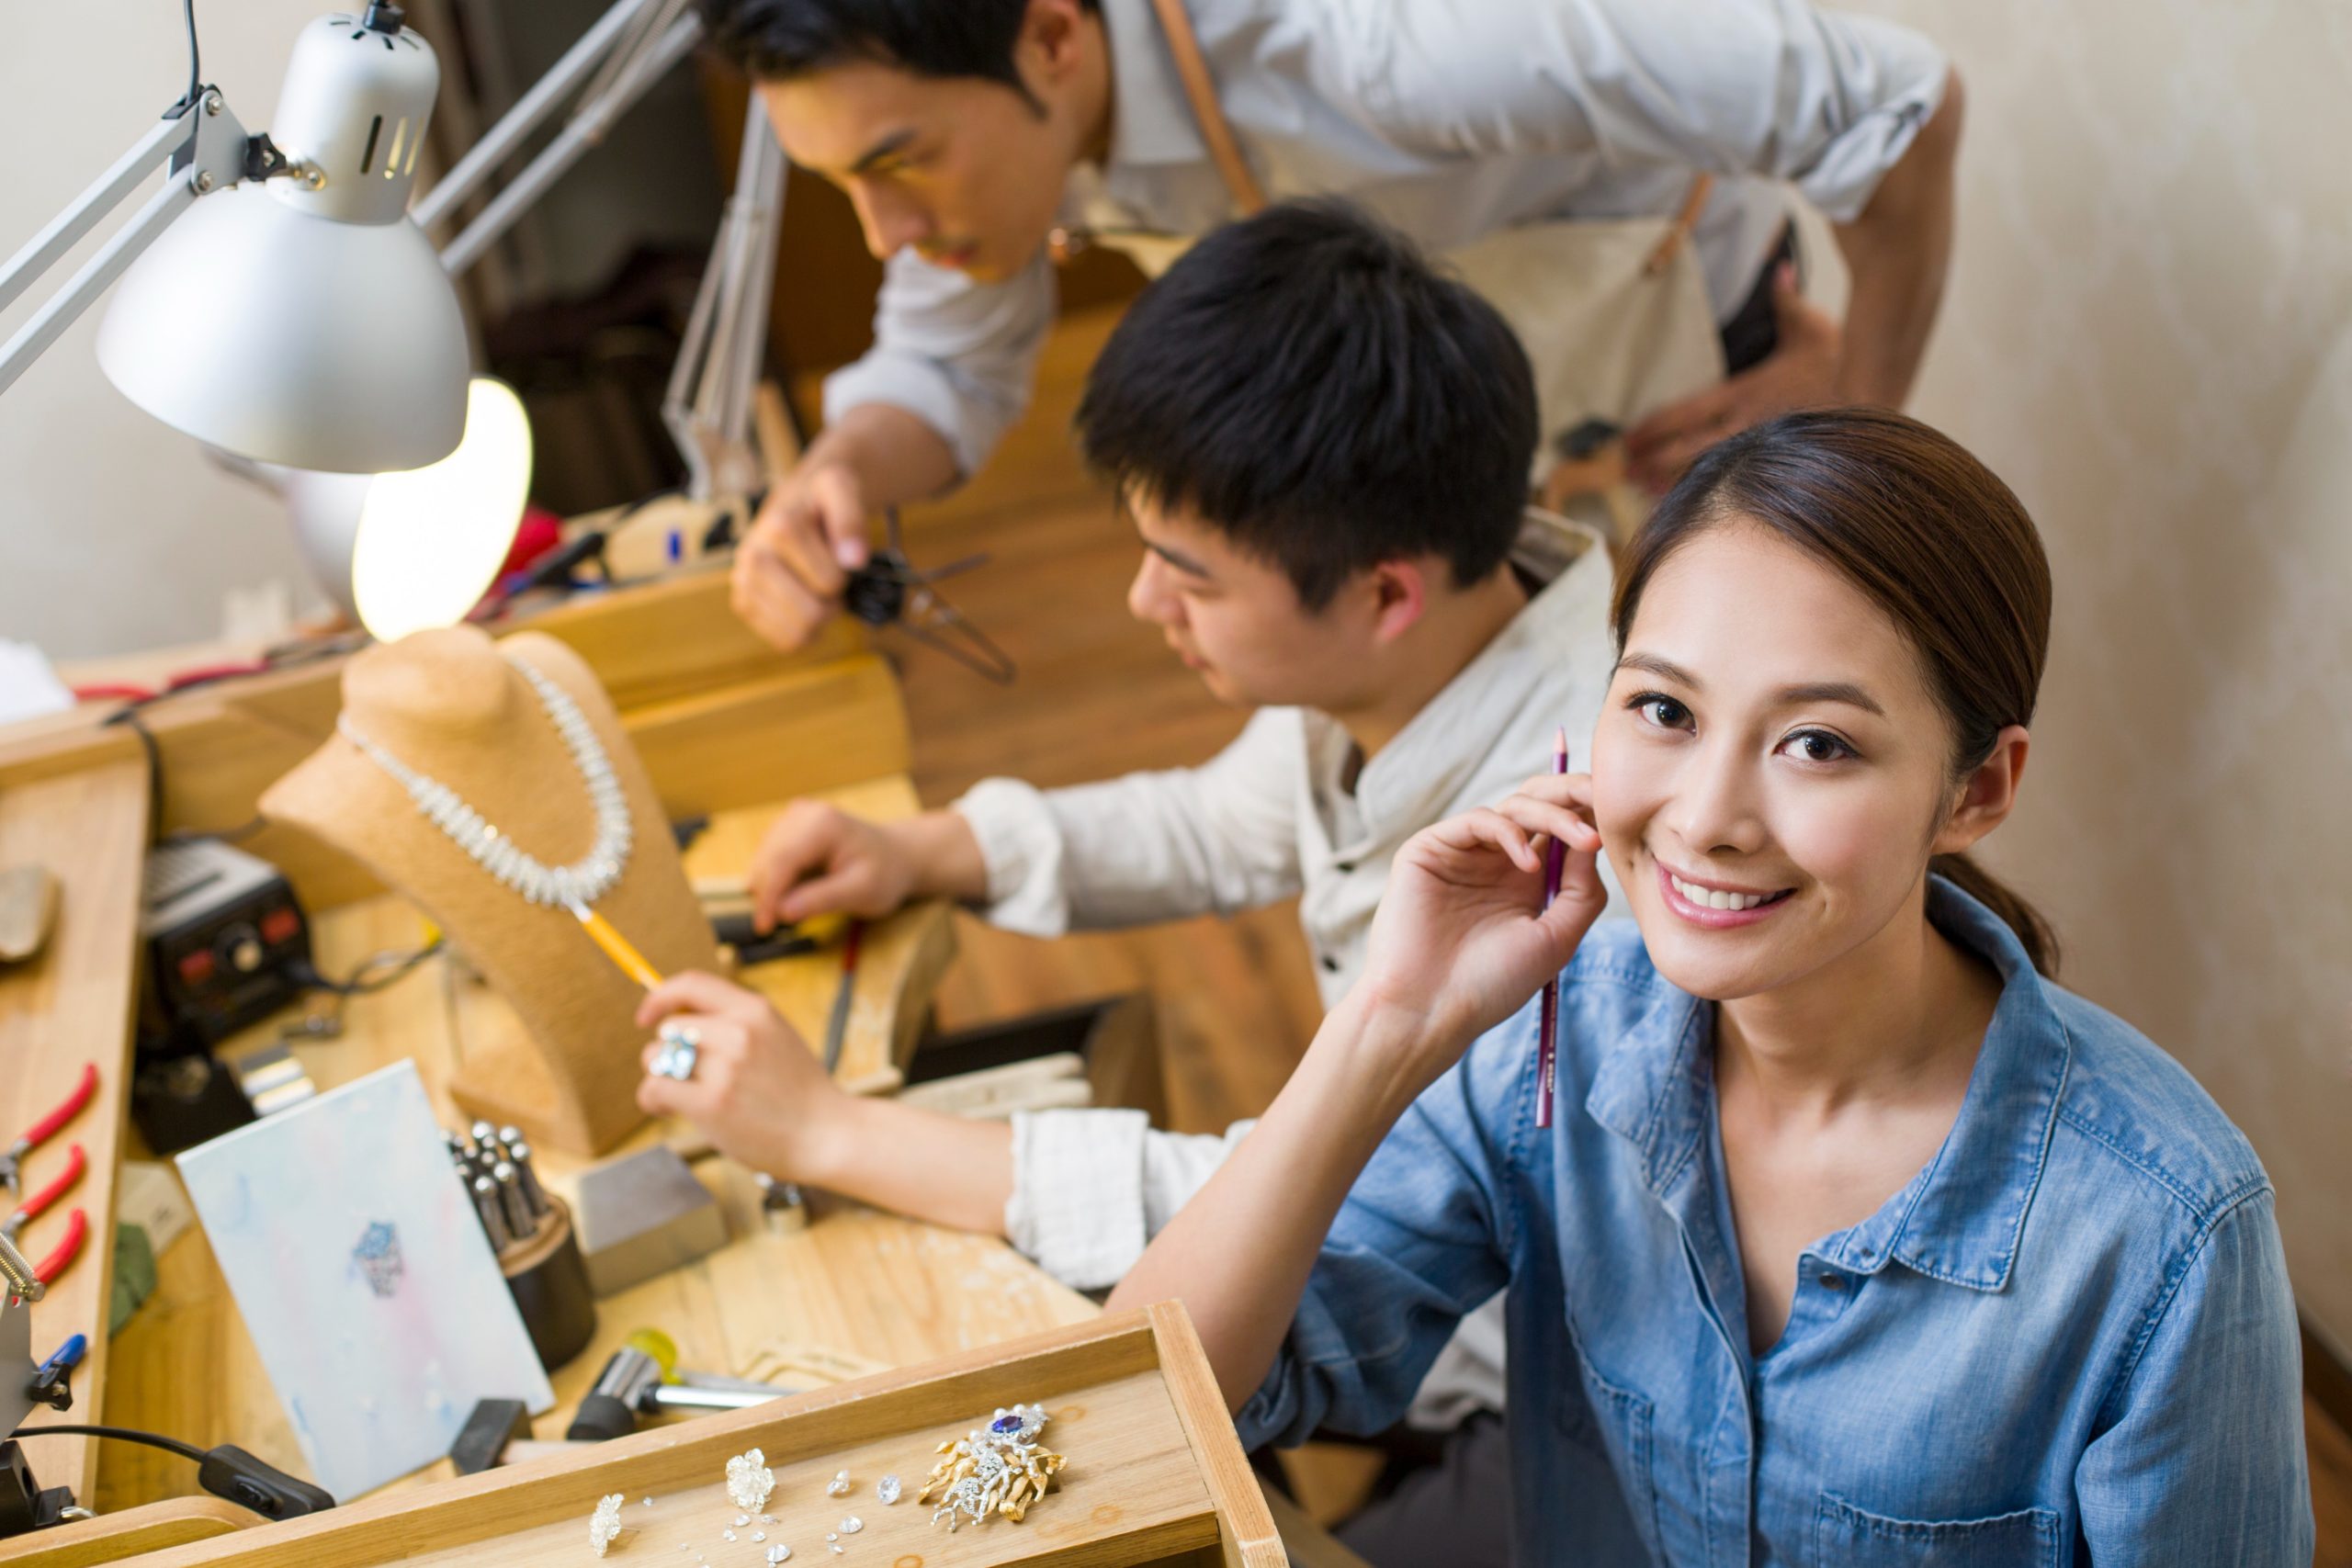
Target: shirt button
1345 868
1833 1281
1331 962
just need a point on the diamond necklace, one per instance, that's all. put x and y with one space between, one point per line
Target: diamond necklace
586 879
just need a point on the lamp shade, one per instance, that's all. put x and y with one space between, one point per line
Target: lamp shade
404 551
294 338
305 320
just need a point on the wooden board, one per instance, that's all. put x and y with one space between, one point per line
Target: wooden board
1151 1475
719 716
70 1004
114 1537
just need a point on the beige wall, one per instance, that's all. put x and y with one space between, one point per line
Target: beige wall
2149 335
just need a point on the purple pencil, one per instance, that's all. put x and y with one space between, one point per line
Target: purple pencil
1547 1048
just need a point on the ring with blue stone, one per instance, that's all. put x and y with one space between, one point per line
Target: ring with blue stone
679 1045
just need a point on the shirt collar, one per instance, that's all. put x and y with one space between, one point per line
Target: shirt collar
1444 746
1151 120
1959 1220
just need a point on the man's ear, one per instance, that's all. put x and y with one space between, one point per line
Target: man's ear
1986 796
1399 595
1052 38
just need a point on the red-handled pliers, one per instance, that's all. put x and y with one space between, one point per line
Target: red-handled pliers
77 1227
39 1203
40 1132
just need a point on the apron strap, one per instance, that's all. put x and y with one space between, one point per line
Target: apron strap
1702 184
1200 89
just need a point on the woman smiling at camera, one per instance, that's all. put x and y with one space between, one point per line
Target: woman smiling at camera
1854 1239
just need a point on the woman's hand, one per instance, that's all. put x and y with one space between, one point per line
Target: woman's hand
1459 944
757 1091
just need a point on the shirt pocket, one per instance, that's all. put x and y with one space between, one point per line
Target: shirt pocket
1848 1536
1613 1427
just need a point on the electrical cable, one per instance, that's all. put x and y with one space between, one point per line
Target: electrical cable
372 975
226 1471
120 1434
194 71
129 715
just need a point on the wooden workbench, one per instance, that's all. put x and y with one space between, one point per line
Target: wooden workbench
865 1286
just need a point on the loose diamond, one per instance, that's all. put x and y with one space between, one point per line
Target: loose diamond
778 1553
887 1490
749 1480
852 1525
604 1524
839 1485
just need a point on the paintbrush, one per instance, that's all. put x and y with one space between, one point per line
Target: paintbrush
616 946
1547 1048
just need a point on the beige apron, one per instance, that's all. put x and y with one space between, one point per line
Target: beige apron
1613 312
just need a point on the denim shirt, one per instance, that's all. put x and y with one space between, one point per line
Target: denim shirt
2068 1340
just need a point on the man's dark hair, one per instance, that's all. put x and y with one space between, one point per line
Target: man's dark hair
1310 385
773 39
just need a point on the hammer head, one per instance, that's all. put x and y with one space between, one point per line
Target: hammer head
493 1424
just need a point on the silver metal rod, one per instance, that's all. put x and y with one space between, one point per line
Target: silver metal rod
584 131
100 270
678 1396
519 1223
493 1214
150 154
483 158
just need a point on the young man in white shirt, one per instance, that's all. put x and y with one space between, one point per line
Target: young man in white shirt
1323 445
971 136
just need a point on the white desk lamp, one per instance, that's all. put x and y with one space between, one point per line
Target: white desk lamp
276 299
299 319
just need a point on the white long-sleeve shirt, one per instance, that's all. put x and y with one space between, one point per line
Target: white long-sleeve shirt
1273 815
1451 120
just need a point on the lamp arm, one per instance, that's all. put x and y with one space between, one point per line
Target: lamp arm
498 143
707 404
204 150
584 130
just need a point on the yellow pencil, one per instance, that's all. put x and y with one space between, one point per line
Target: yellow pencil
616 948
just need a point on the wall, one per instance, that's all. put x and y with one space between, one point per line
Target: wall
2149 335
115 531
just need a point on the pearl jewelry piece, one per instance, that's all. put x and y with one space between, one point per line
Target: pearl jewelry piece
586 879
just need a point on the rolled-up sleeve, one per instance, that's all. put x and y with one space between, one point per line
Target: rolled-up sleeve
1769 87
1423 1239
958 355
1091 1188
1218 839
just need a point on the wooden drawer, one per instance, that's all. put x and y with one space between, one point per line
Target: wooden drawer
1156 1476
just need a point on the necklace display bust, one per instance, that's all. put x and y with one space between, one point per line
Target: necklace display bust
466 716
